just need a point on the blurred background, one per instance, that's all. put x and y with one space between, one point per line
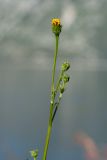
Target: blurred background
26 57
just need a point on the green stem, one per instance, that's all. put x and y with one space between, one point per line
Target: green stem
54 64
47 140
52 102
56 108
59 80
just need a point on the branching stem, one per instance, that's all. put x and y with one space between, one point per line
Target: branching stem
52 102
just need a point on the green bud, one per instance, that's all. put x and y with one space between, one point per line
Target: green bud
66 78
56 29
65 66
34 153
62 89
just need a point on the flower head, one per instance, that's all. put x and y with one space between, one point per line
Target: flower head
56 21
56 26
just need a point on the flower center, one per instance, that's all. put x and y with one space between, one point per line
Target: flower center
56 22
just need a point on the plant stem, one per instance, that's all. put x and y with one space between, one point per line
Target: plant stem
47 141
52 102
59 80
56 108
54 64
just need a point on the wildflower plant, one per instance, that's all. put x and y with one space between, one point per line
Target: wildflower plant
57 89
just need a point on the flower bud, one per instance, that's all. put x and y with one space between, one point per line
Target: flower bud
65 66
62 89
34 153
66 78
56 26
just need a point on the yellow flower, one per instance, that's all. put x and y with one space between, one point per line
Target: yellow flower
56 26
56 22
